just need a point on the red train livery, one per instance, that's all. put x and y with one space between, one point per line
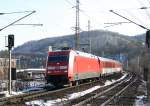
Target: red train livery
72 66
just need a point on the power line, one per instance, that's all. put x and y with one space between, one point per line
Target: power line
117 23
15 12
134 17
69 2
147 13
114 24
17 20
130 20
82 11
30 24
128 11
89 18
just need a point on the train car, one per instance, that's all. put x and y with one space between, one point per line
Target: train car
110 66
72 66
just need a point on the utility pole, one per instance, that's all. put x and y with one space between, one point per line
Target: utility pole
89 36
77 28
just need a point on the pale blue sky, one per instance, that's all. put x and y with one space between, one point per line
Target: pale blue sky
58 17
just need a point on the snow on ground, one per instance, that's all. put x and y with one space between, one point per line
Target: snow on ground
33 86
79 94
13 93
6 93
70 96
141 99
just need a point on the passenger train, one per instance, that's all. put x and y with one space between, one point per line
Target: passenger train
71 67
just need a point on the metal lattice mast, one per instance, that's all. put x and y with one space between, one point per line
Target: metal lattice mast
89 41
77 28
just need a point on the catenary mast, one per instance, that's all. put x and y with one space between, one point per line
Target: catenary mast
77 28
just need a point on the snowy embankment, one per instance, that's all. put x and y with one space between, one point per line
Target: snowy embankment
70 96
33 86
141 99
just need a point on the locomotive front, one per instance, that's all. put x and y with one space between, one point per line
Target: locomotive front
57 68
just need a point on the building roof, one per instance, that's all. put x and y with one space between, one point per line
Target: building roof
34 70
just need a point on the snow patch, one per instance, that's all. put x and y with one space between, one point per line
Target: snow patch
12 93
140 101
70 96
79 94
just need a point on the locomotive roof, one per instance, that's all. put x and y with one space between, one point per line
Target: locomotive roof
85 54
94 56
88 55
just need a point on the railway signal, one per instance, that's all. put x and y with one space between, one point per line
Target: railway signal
10 45
10 41
147 40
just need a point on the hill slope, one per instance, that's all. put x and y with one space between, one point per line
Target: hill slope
101 41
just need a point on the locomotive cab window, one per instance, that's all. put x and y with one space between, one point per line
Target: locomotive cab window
58 58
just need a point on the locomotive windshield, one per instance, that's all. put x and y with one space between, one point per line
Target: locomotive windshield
58 58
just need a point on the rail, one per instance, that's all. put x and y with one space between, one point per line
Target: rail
117 94
21 99
34 95
101 93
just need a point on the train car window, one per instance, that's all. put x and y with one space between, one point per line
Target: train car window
58 58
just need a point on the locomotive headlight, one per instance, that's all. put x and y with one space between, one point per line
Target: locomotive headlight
65 71
50 68
63 67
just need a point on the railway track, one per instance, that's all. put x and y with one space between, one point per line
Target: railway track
108 96
19 99
52 95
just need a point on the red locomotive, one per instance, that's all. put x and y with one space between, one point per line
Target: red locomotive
72 66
